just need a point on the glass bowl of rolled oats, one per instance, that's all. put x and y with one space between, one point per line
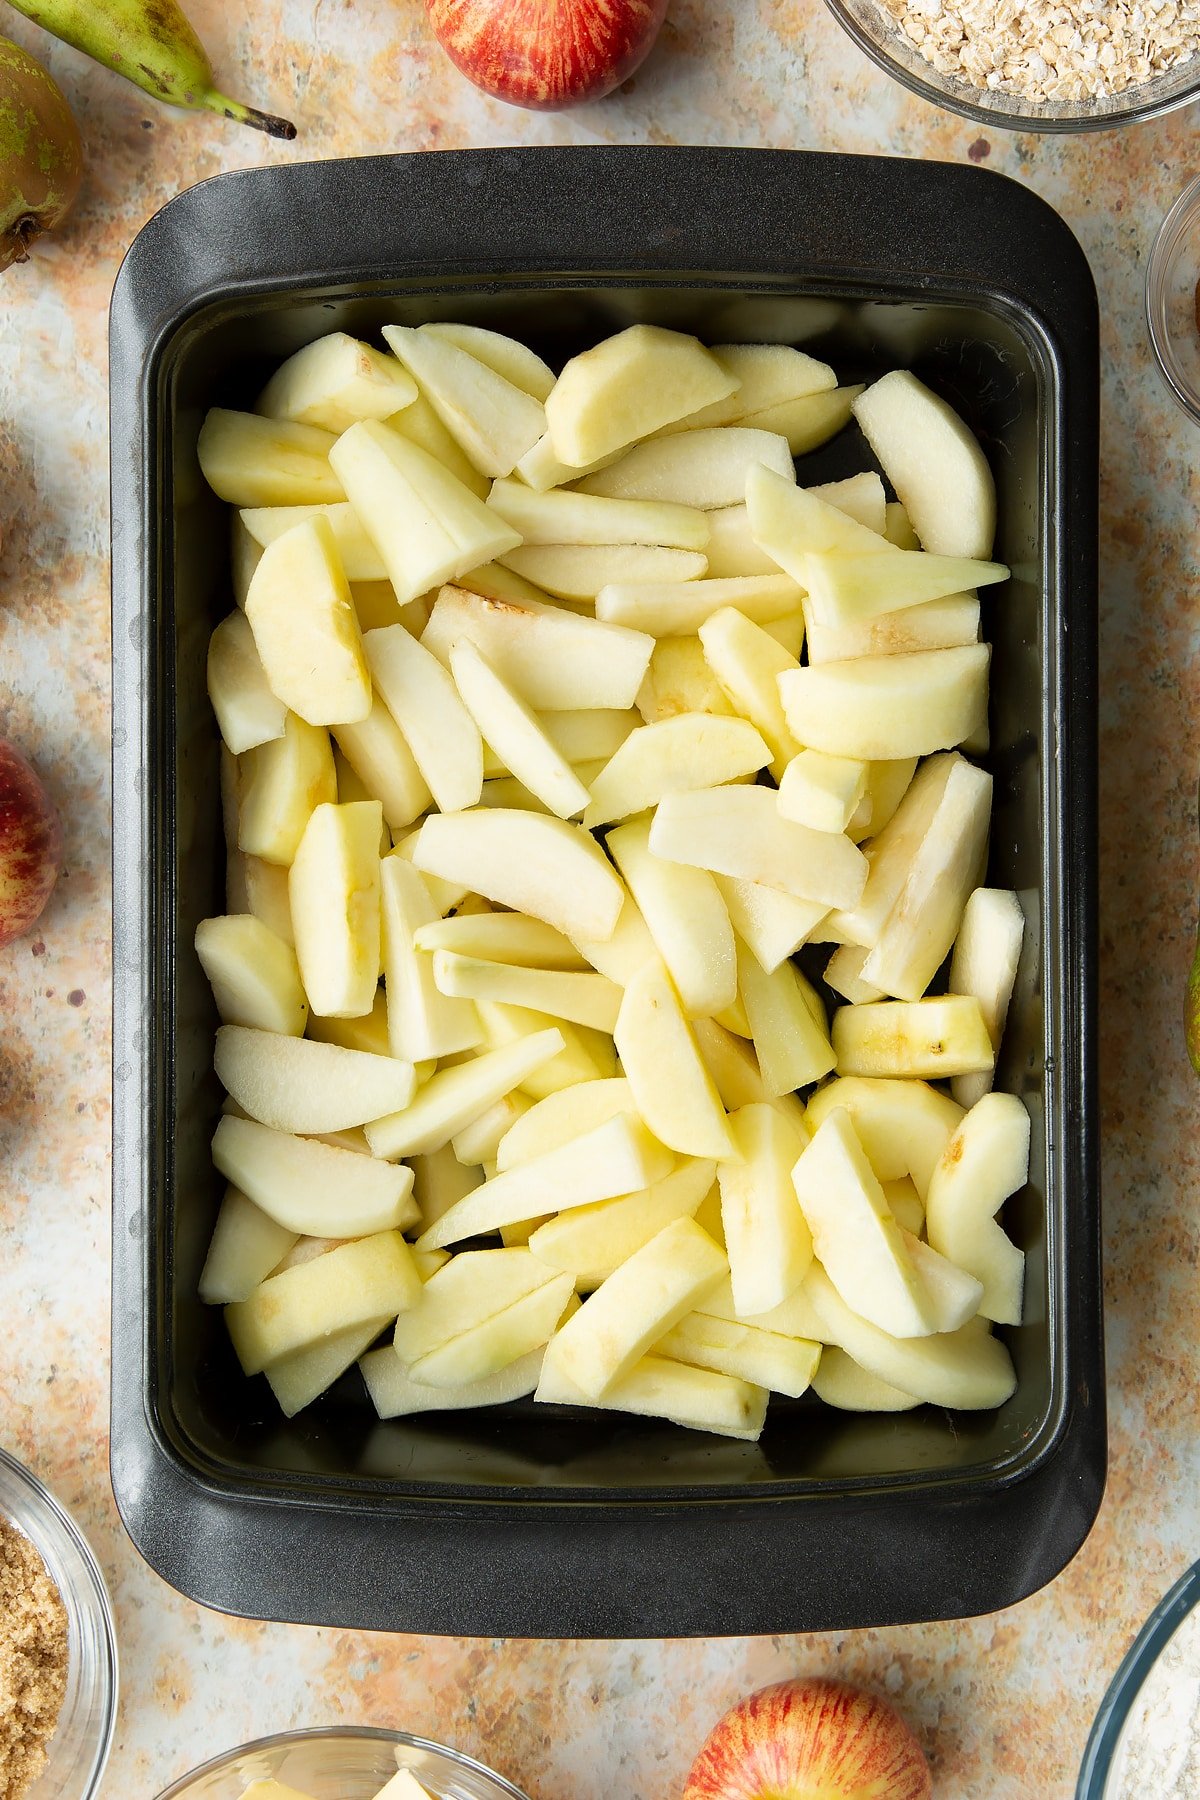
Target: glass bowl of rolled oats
1036 65
1173 299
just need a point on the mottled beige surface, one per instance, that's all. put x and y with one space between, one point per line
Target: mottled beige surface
1002 1703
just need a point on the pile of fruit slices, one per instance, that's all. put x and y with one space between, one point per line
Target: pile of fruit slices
402 1786
560 705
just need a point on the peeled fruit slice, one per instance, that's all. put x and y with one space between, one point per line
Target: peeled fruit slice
369 1033
808 422
555 660
861 497
679 680
305 627
578 572
766 1236
933 462
952 1296
987 951
854 1235
882 708
671 1086
628 386
812 1737
334 894
422 427
771 375
246 1245
787 1024
783 1365
792 524
561 1116
705 468
467 1290
281 783
585 999
423 1024
892 851
373 1277
686 917
528 862
254 975
562 516
493 420
311 1188
457 1094
844 588
840 1381
514 732
335 381
426 524
748 664
932 1039
657 1388
771 923
822 791
394 1393
902 1125
934 625
508 357
495 1343
359 558
40 150
378 752
691 750
251 461
590 1242
739 831
248 712
301 1085
301 1377
679 608
650 1292
985 1161
584 1055
501 937
425 703
732 552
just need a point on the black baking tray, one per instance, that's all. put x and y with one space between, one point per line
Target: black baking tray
528 1520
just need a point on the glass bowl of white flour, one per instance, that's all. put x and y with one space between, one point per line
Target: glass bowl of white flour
1145 1743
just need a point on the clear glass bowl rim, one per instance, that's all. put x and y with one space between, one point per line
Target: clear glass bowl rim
312 1734
940 93
93 1598
1128 1681
1185 207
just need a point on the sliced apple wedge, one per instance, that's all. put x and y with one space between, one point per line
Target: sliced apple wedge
791 524
501 937
309 1188
421 426
585 1055
840 1381
952 1296
786 1023
333 891
795 1317
305 627
881 708
394 1393
457 1094
577 572
246 1245
704 468
966 1370
808 422
494 1344
514 732
822 792
590 1242
679 608
671 1085
296 1380
555 660
732 552
368 1033
861 497
640 1301
739 831
335 381
931 1039
493 420
924 921
585 999
772 374
853 1233
302 1085
251 461
476 1144
423 1023
933 462
280 784
265 888
562 1116
372 1277
254 974
944 624
766 1236
528 862
679 680
378 752
690 750
425 703
628 386
686 917
464 1292
658 1388
540 468
248 712
903 1125
843 973
562 516
748 665
359 558
987 952
781 1364
618 1157
426 524
772 924
506 355
891 853
843 588
985 1161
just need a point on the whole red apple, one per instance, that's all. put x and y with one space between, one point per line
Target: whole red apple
31 844
810 1740
546 54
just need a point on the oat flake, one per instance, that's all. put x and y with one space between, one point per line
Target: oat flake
1061 50
1159 1750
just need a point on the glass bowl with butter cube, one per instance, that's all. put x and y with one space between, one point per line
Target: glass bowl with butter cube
342 1763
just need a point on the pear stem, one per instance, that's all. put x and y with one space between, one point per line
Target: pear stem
249 115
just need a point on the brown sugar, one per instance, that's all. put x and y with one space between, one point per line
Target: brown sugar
33 1661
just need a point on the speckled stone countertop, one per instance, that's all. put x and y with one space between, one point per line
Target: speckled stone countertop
1003 1703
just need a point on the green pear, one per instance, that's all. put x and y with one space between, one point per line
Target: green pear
41 157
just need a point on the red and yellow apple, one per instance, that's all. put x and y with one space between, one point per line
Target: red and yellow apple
546 54
31 844
810 1739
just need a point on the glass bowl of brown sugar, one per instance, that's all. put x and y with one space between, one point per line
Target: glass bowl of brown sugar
58 1652
1035 65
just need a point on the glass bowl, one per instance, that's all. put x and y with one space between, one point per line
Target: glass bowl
342 1763
878 34
1172 307
1102 1774
79 1748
